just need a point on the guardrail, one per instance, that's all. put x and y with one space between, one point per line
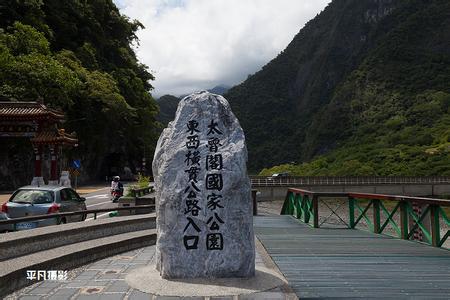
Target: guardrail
304 205
142 191
74 213
359 180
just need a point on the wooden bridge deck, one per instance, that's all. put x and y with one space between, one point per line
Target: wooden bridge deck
347 264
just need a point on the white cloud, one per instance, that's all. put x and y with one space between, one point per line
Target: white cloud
196 44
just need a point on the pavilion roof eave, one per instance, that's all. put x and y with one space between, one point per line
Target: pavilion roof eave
22 111
57 137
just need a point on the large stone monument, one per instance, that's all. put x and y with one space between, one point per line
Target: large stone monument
204 210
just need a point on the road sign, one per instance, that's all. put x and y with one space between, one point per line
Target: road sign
76 164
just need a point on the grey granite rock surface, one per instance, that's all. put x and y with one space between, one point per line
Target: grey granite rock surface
204 209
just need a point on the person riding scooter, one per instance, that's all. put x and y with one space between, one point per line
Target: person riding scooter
116 189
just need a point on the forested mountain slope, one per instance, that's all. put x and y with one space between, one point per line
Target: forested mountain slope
77 56
363 89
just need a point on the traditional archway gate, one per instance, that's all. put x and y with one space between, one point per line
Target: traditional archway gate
39 123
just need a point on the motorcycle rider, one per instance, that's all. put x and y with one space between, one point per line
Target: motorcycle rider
116 188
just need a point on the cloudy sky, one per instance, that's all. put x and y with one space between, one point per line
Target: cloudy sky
197 44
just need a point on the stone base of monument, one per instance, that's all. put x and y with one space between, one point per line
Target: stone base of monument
148 280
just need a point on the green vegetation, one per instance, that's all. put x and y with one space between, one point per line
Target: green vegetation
142 182
77 56
377 104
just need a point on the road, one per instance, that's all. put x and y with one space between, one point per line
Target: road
99 199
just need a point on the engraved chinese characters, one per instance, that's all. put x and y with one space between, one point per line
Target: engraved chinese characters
204 213
214 182
191 202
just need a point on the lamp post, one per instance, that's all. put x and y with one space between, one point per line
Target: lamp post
143 162
143 166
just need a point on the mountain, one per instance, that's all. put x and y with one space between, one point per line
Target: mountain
219 89
362 89
168 104
167 108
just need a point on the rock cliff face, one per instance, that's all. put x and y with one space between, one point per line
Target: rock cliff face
363 77
277 104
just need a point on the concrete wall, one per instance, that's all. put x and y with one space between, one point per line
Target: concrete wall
279 192
19 243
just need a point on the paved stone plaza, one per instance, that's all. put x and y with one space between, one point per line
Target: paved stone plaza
105 279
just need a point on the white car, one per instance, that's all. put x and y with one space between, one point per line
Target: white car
32 201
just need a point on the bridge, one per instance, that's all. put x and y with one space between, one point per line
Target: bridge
326 244
275 188
334 263
323 261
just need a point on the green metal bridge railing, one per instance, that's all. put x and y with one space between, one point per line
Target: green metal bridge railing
304 205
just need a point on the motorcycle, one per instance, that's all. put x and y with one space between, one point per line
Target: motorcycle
116 194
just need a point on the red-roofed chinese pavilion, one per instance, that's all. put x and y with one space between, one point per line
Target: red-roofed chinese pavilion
39 123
